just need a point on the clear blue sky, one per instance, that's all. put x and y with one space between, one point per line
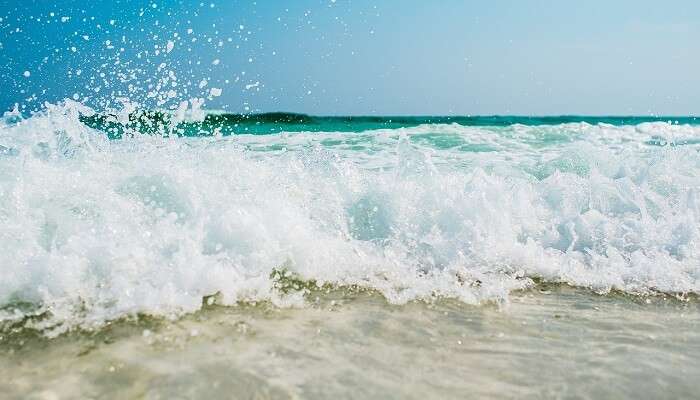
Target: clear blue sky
363 57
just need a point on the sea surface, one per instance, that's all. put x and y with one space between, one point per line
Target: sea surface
292 256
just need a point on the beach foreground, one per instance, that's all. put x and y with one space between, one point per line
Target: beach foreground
552 341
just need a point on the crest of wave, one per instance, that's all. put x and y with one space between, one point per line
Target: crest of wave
94 230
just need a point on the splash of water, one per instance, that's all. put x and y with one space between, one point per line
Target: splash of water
95 229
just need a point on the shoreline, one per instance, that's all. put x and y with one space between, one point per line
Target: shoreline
549 341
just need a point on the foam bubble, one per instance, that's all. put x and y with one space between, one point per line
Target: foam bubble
94 229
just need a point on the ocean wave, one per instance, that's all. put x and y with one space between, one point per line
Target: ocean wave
94 229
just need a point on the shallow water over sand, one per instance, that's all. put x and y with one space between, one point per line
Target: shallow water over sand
549 342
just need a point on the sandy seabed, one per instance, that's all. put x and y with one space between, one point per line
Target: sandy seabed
548 342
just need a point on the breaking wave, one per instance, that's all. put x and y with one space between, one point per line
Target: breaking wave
93 229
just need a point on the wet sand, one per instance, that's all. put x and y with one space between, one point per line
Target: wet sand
548 342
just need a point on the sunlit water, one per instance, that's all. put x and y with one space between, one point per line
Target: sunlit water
102 221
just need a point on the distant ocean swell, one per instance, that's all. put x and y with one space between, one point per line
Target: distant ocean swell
93 229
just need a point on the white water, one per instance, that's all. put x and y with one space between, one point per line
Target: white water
92 230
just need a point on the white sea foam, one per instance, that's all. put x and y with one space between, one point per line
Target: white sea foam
92 229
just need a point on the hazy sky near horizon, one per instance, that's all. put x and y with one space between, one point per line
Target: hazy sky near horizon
364 57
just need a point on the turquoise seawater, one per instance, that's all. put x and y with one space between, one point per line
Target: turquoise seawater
271 123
